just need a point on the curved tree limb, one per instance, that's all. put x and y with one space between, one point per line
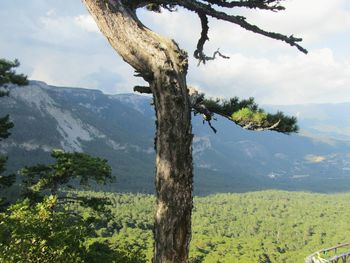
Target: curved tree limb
228 108
199 53
272 5
244 113
205 8
208 10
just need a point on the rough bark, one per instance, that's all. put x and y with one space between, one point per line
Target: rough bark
173 169
164 66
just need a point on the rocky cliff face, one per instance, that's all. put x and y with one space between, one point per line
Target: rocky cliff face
121 129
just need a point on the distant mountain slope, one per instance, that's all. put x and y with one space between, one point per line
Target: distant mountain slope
121 129
325 121
79 120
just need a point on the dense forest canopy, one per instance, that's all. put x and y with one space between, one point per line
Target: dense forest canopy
265 226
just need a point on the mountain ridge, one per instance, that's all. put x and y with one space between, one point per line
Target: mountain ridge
120 128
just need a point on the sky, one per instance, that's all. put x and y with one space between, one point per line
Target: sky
59 43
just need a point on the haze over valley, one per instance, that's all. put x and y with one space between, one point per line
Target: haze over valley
121 128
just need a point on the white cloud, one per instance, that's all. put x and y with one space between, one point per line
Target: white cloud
320 16
51 12
286 79
58 30
58 41
65 31
73 69
313 20
269 70
87 23
181 26
53 68
314 17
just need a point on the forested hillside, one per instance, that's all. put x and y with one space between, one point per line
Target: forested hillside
121 129
266 226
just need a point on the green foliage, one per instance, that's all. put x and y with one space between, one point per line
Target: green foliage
9 75
42 228
98 250
287 124
245 116
248 115
267 226
227 107
69 167
5 125
45 232
5 181
40 234
3 161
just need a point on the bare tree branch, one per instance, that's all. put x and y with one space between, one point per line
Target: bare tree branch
272 5
205 8
199 53
143 89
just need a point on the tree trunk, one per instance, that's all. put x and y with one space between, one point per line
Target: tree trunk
164 66
173 170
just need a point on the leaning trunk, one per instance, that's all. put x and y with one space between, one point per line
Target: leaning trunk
173 170
164 66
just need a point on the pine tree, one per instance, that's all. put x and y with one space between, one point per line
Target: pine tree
42 227
7 76
162 64
68 168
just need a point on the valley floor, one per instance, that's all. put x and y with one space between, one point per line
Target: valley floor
263 227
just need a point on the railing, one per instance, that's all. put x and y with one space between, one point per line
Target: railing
322 257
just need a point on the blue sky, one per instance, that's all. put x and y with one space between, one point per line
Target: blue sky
58 42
